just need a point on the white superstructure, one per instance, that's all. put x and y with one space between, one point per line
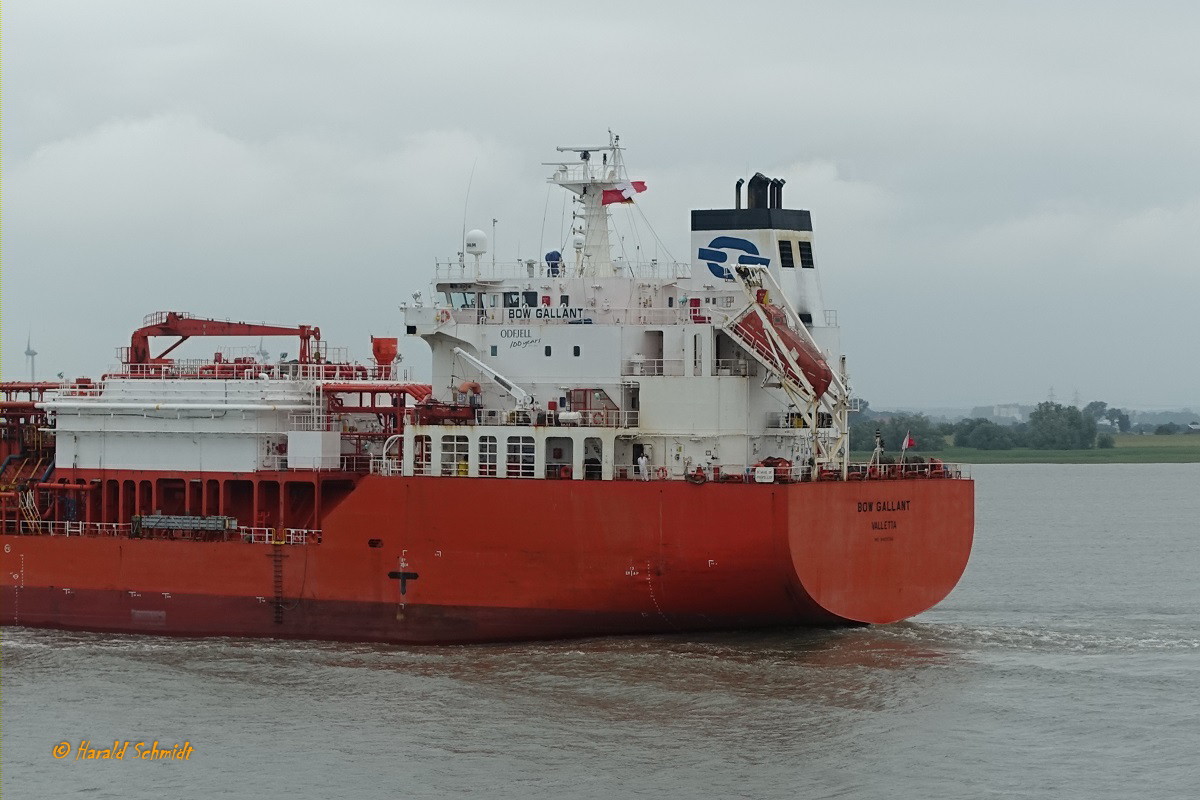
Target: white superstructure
677 362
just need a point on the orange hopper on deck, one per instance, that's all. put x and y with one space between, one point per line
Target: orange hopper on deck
384 351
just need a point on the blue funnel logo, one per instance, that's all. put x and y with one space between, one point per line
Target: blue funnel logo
716 254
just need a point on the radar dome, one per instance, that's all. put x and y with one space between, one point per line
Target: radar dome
477 242
577 241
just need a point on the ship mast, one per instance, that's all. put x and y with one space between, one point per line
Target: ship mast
587 181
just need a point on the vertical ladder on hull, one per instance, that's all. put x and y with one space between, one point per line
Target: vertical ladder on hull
277 569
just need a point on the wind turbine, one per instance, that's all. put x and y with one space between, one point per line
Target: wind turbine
31 354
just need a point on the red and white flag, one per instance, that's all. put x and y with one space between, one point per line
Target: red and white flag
908 441
623 193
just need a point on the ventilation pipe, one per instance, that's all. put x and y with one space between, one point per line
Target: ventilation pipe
737 194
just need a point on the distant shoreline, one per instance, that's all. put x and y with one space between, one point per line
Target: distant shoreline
1130 449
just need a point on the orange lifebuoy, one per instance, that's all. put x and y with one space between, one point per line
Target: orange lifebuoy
661 473
598 418
443 315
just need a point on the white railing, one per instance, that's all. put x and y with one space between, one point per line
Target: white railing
750 473
73 528
599 418
499 316
386 466
314 422
125 530
280 535
653 366
738 367
793 419
485 270
344 463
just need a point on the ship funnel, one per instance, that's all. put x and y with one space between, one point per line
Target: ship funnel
737 194
757 191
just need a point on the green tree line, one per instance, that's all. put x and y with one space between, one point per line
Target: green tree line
1051 426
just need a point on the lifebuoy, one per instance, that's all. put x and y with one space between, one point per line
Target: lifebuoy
697 477
598 418
443 315
661 473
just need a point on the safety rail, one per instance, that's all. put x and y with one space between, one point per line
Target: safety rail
385 466
259 535
741 473
344 463
652 366
126 530
337 367
315 422
793 419
738 367
453 270
550 315
794 473
67 528
591 418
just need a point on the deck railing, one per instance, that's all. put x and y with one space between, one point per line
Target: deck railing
125 530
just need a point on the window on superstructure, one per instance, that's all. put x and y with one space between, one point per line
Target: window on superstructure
492 300
575 350
422 455
531 298
494 351
512 299
520 457
785 253
564 300
806 255
547 350
487 455
454 456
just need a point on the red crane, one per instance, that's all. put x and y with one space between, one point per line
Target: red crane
185 326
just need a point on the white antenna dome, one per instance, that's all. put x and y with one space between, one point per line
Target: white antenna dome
477 242
577 241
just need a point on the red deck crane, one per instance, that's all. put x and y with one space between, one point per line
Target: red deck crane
185 326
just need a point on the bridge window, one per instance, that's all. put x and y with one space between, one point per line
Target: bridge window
454 456
531 298
512 299
520 457
785 253
806 255
487 455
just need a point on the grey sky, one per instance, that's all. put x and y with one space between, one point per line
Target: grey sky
1006 196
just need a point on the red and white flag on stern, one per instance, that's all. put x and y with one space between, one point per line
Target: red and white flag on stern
908 441
623 193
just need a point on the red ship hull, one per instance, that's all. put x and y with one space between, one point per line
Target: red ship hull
442 560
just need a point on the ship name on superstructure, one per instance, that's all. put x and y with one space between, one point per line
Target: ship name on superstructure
546 312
